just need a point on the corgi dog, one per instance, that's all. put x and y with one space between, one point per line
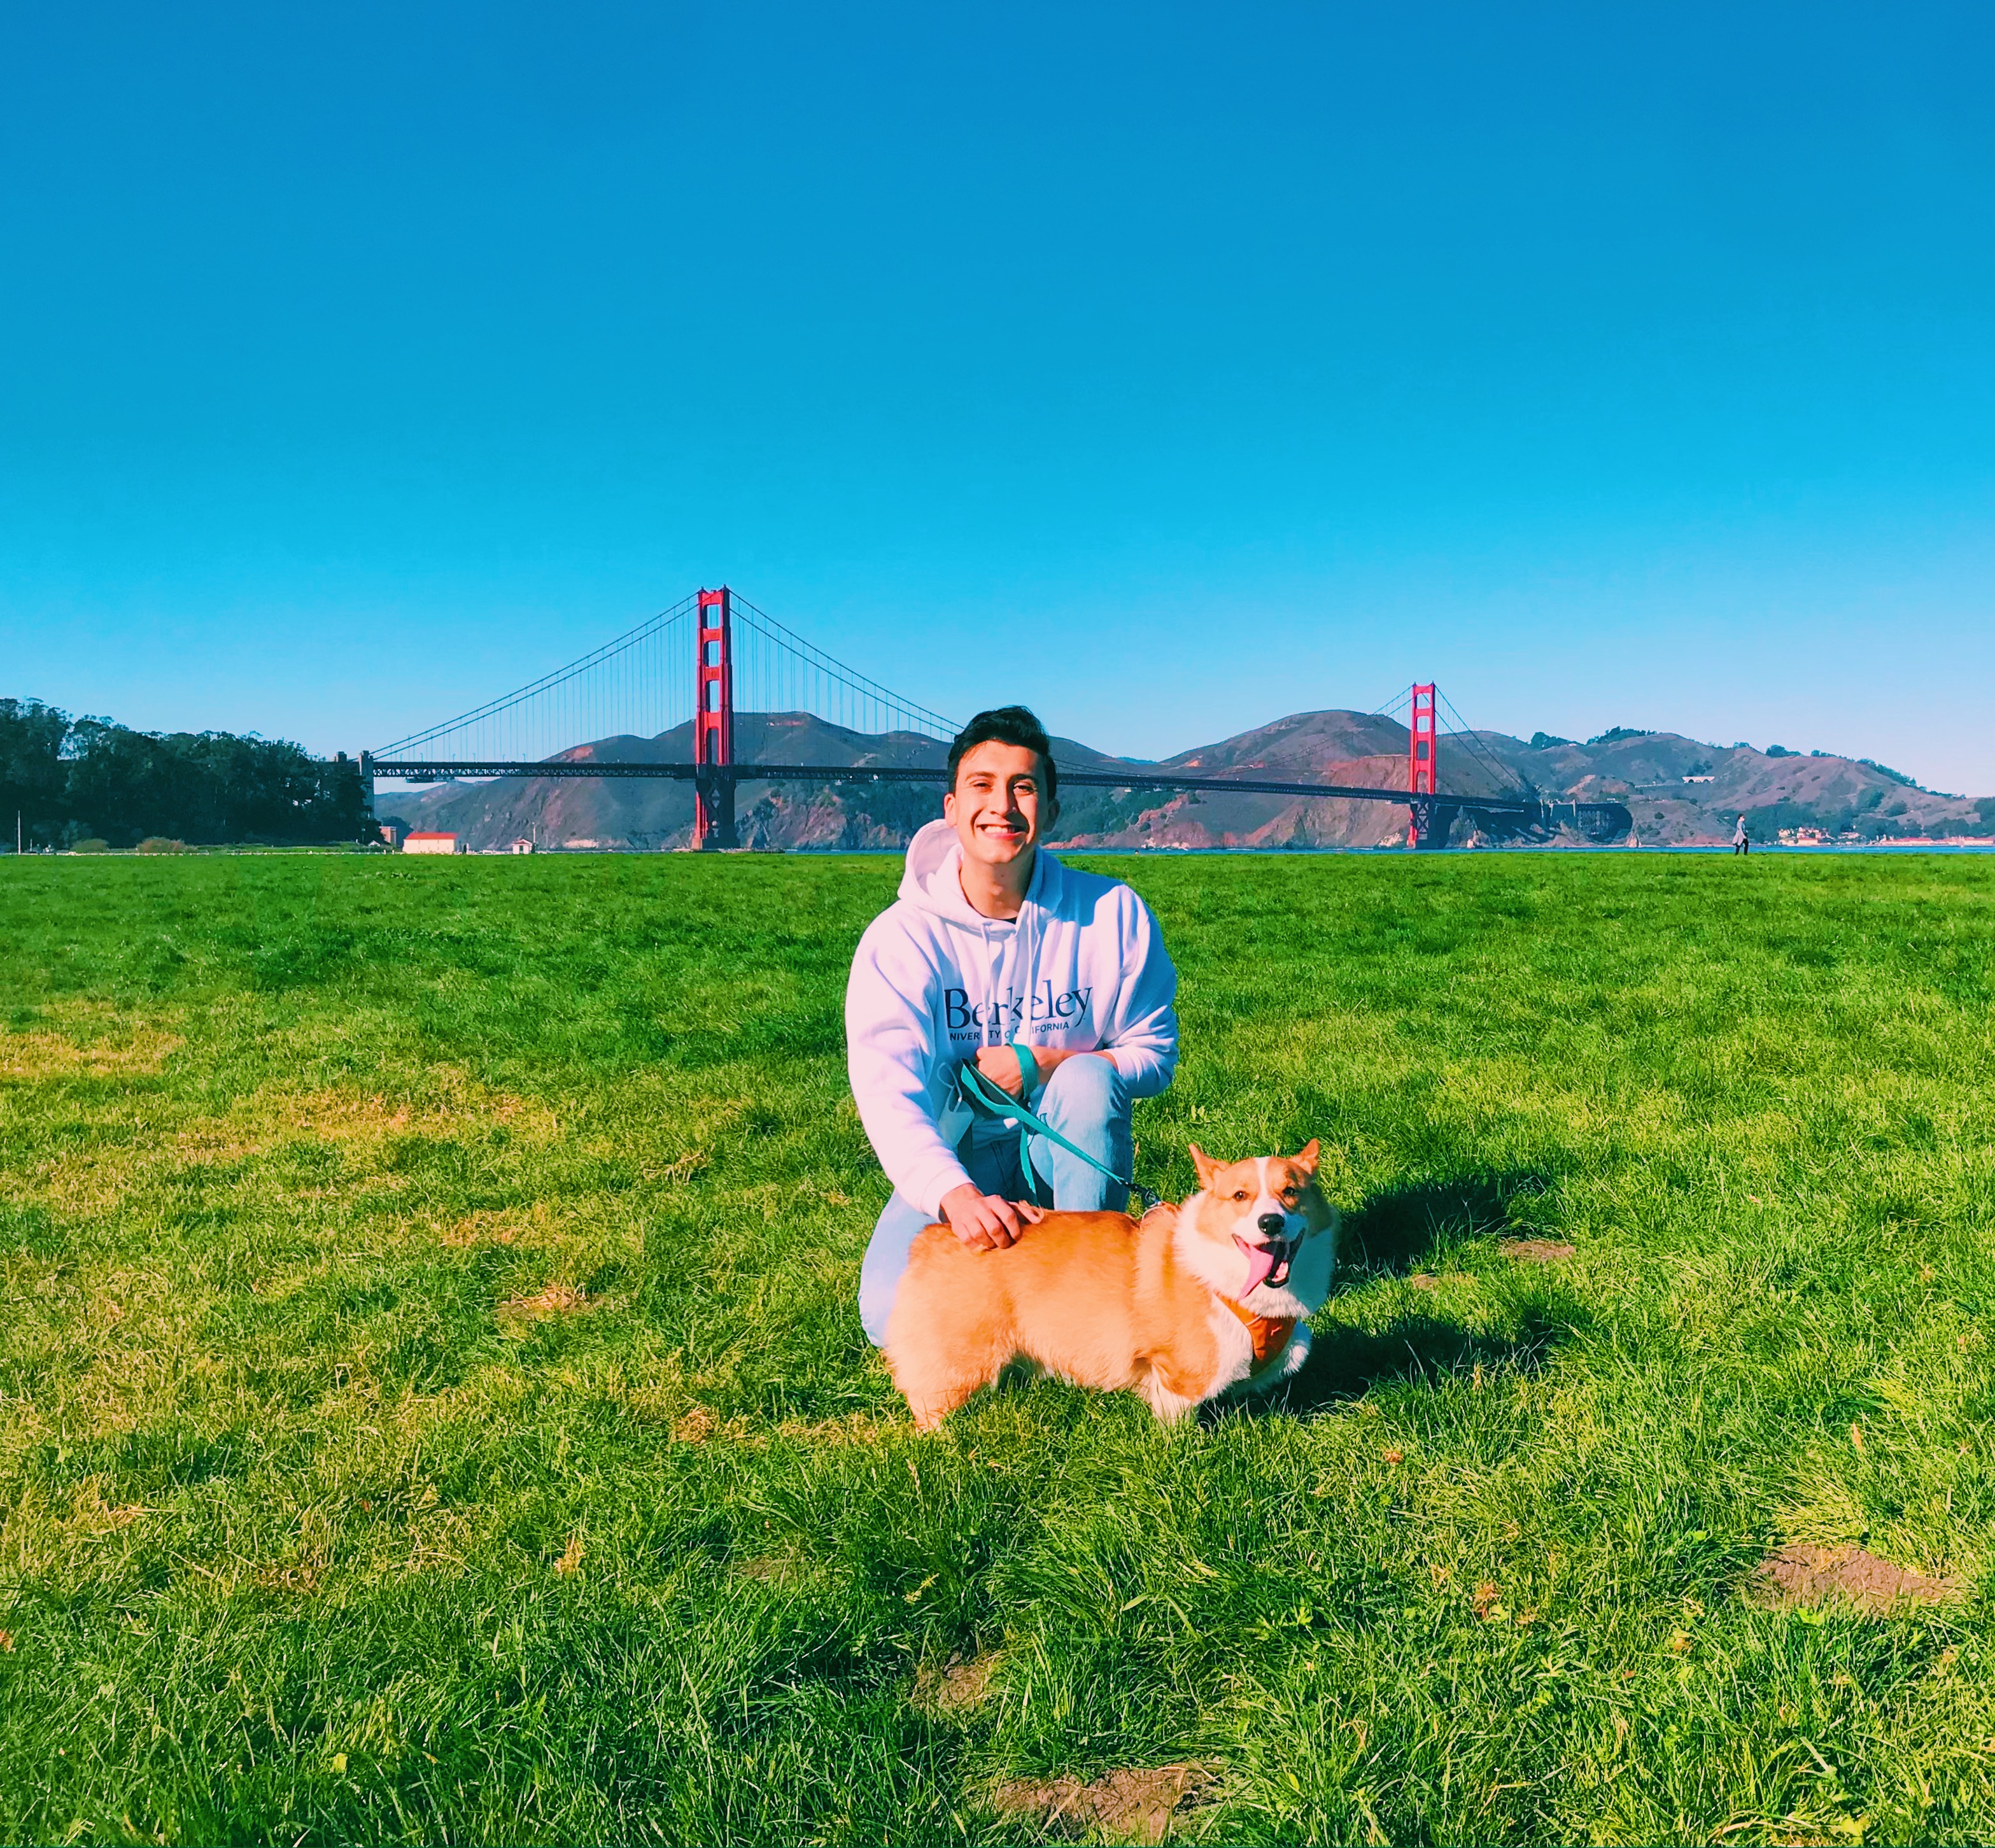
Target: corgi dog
1209 1297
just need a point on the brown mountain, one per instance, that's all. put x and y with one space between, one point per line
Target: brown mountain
1678 789
643 815
1358 750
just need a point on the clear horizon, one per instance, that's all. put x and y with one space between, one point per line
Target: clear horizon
1167 371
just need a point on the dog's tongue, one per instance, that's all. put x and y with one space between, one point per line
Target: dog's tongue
1260 1261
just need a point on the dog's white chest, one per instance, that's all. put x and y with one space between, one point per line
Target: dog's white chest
1230 1336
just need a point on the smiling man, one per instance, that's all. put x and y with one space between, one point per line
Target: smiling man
1053 984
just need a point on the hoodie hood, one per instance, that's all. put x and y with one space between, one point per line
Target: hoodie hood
931 879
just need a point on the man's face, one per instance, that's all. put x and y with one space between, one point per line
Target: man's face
999 804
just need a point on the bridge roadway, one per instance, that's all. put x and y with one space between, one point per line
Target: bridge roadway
1596 819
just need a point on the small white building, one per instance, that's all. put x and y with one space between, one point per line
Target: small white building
521 846
420 840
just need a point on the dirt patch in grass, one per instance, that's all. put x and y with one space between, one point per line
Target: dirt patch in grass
555 1300
955 1687
1537 1251
1131 1805
90 1516
499 1225
868 1428
1803 1574
297 1576
96 1516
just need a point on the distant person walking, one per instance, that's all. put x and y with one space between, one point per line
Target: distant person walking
1741 842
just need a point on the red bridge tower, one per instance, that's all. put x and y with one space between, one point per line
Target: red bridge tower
1422 741
713 724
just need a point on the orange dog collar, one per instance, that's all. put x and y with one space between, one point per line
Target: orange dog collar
1269 1334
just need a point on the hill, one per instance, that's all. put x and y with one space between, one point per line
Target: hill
1680 790
559 812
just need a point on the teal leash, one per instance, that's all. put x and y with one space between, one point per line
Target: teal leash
980 1094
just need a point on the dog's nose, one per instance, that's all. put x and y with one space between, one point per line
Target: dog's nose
1273 1224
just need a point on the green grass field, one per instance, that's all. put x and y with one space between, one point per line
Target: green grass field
435 1409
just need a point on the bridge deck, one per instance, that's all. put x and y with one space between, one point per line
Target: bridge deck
1579 813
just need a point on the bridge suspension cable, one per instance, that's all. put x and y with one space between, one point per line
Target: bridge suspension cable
1461 733
637 686
778 671
1465 736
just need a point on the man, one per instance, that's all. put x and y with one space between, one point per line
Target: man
1053 984
1741 842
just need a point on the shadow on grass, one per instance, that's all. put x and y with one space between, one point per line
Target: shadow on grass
1347 1363
1400 1230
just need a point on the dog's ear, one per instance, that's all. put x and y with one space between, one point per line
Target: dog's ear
1206 1165
1308 1158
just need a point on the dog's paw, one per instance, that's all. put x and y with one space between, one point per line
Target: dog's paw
1297 1357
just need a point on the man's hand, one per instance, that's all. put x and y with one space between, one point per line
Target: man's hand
1000 1064
983 1221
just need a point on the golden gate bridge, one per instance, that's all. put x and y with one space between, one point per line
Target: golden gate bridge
694 664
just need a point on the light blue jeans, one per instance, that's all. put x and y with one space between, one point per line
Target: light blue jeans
1087 1102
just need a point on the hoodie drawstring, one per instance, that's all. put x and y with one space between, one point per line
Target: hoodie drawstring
994 955
1014 958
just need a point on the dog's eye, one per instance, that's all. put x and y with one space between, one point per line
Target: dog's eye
1240 1193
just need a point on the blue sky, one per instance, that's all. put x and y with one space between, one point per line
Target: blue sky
1172 368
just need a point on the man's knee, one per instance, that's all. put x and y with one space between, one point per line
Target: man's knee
885 1262
1085 1089
1086 1101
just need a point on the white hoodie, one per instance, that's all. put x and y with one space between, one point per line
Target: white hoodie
1082 969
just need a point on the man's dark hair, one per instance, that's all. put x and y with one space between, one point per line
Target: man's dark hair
1008 725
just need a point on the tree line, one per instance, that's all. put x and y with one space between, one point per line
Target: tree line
73 781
